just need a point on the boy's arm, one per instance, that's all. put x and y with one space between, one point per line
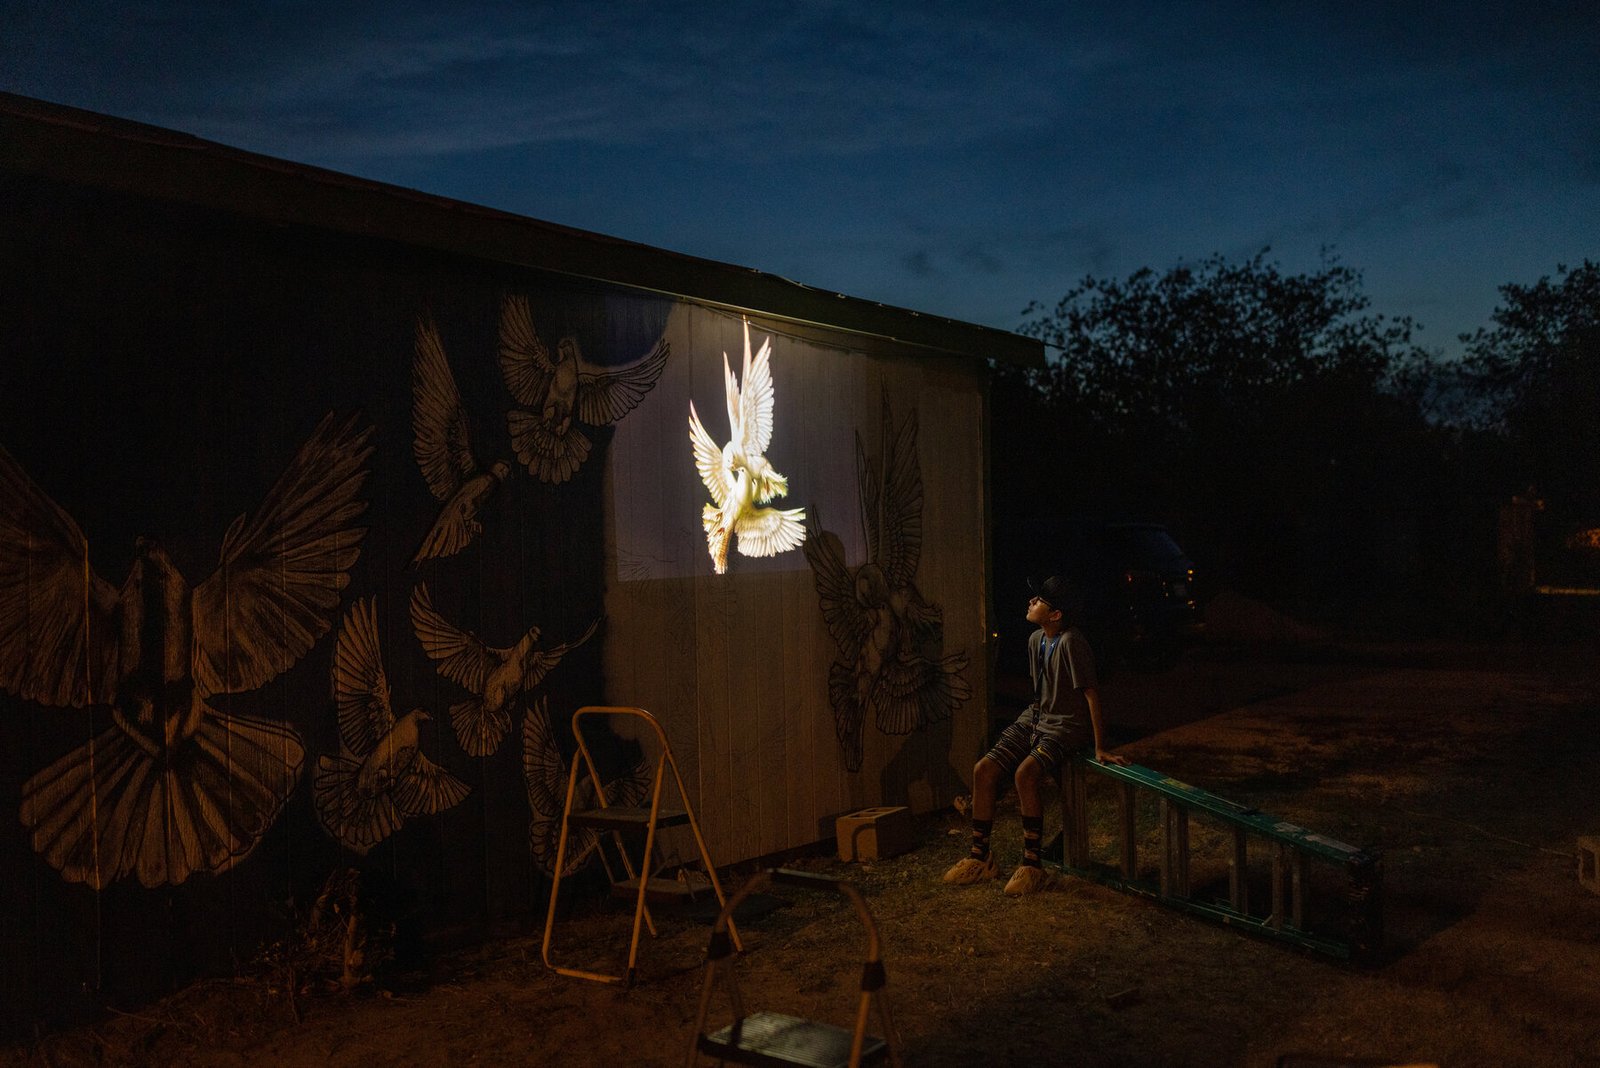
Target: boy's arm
1091 696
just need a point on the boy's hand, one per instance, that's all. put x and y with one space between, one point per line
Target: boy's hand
1110 758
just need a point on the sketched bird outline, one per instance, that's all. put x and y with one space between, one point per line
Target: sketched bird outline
380 777
561 392
443 447
737 475
173 786
494 677
546 774
889 639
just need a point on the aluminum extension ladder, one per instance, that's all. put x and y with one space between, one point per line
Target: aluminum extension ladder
639 884
773 1038
1292 847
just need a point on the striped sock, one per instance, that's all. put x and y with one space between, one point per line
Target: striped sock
980 838
1032 832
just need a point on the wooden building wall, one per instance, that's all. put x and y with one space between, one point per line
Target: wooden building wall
736 666
167 351
162 367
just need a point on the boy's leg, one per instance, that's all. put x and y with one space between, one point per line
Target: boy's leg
989 777
986 779
1029 775
979 866
1040 764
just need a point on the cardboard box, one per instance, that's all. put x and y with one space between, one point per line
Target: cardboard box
874 833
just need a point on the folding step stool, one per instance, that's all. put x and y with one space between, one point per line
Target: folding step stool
773 1038
639 883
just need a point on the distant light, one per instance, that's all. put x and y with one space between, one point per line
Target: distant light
1585 539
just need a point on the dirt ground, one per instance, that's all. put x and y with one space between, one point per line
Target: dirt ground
1473 767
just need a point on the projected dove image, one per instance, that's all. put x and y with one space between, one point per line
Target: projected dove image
738 475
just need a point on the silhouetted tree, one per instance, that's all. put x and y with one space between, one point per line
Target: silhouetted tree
1532 379
1270 416
1535 377
1175 350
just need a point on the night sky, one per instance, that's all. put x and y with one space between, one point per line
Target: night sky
955 158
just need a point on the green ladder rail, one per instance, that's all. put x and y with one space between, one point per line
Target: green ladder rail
1359 928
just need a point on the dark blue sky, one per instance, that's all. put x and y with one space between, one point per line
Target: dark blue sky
955 158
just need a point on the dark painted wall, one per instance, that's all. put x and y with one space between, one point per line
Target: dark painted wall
159 368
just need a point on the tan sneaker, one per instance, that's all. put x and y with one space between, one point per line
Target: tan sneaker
1028 880
970 870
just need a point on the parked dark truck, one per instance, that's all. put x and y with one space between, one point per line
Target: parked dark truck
1141 595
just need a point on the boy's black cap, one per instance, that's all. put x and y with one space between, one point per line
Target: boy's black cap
1055 591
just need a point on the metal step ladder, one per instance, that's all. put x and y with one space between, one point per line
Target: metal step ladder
774 1038
1359 931
640 881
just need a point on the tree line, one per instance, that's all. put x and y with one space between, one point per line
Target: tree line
1308 451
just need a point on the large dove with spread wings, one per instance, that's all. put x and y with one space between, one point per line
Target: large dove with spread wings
443 448
380 777
890 641
737 474
173 786
561 393
494 677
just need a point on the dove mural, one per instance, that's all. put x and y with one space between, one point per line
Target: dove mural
380 777
737 475
443 448
889 640
494 677
546 775
173 787
561 393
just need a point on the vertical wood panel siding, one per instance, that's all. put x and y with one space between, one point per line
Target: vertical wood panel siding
736 665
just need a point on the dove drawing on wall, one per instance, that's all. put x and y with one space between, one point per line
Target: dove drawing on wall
546 773
443 449
495 678
737 475
380 777
890 641
561 393
173 786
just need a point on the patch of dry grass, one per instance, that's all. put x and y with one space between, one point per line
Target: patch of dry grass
1473 782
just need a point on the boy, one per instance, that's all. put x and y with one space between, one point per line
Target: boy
1064 716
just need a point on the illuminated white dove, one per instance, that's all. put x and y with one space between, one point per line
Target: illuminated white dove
738 475
380 777
444 450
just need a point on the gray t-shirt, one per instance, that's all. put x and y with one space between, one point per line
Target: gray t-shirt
1062 669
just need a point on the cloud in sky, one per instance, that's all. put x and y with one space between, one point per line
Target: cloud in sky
958 158
371 80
